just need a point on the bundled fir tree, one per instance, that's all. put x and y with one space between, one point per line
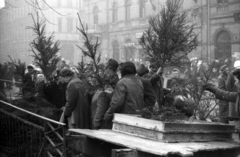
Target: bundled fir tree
169 37
93 72
44 49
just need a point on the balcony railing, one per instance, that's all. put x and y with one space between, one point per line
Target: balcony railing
37 136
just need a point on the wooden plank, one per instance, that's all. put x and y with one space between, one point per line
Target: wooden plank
170 137
197 127
124 153
156 147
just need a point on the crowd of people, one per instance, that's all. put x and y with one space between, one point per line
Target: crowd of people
128 90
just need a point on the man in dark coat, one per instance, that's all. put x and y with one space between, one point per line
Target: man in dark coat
77 107
156 79
128 94
223 105
149 94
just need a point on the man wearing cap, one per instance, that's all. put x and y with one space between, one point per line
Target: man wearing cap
77 106
101 99
128 93
28 80
223 105
156 79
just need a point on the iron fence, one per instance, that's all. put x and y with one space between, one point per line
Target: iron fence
37 136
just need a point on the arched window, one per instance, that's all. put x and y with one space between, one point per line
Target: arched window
95 15
127 9
114 13
223 45
142 8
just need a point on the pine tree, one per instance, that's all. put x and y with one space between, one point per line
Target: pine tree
169 37
95 79
44 49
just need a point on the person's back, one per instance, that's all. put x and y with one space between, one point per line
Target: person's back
128 94
134 94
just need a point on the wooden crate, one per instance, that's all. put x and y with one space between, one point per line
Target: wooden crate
172 132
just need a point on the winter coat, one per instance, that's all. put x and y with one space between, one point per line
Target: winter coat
223 105
77 103
127 97
157 84
231 87
148 93
100 104
230 97
142 70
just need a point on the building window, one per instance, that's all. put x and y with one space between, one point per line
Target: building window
95 15
142 8
69 25
59 25
222 1
69 3
114 13
59 3
127 9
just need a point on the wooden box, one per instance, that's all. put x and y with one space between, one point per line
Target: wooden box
172 132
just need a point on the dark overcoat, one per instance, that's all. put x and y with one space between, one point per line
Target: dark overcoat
77 104
127 97
157 84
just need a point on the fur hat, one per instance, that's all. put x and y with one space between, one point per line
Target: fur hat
30 66
112 64
66 72
142 70
128 68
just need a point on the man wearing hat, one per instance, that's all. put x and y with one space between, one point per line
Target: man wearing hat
77 106
128 93
156 79
110 72
223 105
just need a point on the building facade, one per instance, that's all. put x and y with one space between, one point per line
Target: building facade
218 25
120 24
60 17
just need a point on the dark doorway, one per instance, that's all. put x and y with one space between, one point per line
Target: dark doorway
223 45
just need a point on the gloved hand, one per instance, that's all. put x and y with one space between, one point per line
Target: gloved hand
210 87
108 117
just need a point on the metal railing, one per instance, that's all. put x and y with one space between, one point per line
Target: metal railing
37 136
